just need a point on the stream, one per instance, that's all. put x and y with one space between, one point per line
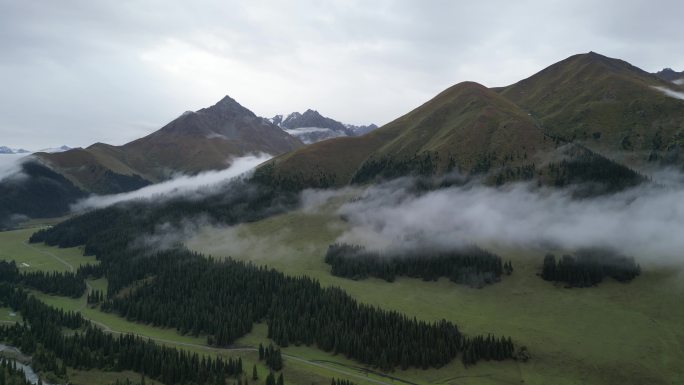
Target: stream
31 376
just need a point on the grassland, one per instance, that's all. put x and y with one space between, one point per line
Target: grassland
613 334
300 365
14 246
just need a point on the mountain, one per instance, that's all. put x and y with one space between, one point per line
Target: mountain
460 128
35 191
671 75
311 126
606 104
193 142
56 149
7 150
604 107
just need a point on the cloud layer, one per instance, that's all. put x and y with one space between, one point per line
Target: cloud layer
10 164
671 93
76 72
645 222
189 186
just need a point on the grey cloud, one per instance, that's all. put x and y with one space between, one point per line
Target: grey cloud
645 222
10 165
190 186
76 72
671 93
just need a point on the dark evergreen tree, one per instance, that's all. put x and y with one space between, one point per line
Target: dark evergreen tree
471 265
589 268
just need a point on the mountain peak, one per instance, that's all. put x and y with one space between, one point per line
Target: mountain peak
310 112
227 100
670 75
228 106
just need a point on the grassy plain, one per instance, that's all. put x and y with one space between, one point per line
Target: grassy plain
298 369
612 334
14 246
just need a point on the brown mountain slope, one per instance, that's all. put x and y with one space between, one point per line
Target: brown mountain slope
607 104
193 142
462 127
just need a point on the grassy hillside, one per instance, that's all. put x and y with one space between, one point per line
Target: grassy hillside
195 141
458 129
95 170
615 333
606 103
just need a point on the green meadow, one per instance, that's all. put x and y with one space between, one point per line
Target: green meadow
611 334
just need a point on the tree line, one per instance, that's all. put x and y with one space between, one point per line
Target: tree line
59 283
593 174
222 299
589 268
11 374
272 356
470 265
87 347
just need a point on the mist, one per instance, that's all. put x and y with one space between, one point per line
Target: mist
671 93
10 164
184 185
645 222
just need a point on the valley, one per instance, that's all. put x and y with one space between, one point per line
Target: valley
155 261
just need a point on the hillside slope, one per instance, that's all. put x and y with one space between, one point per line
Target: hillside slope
195 141
600 105
607 104
462 128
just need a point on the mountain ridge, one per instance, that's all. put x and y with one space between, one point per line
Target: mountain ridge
193 142
604 105
312 127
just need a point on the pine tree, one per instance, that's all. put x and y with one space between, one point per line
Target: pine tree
270 380
255 376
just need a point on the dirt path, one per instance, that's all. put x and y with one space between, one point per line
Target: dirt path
108 329
65 263
68 265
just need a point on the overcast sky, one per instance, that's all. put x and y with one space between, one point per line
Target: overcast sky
77 72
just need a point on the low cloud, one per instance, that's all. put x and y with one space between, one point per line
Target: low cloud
646 222
195 185
10 165
671 93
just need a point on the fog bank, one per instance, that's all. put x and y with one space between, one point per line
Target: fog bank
10 164
671 93
195 185
645 222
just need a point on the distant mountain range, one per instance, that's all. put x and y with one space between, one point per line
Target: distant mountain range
7 150
671 76
195 141
598 105
586 118
311 126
